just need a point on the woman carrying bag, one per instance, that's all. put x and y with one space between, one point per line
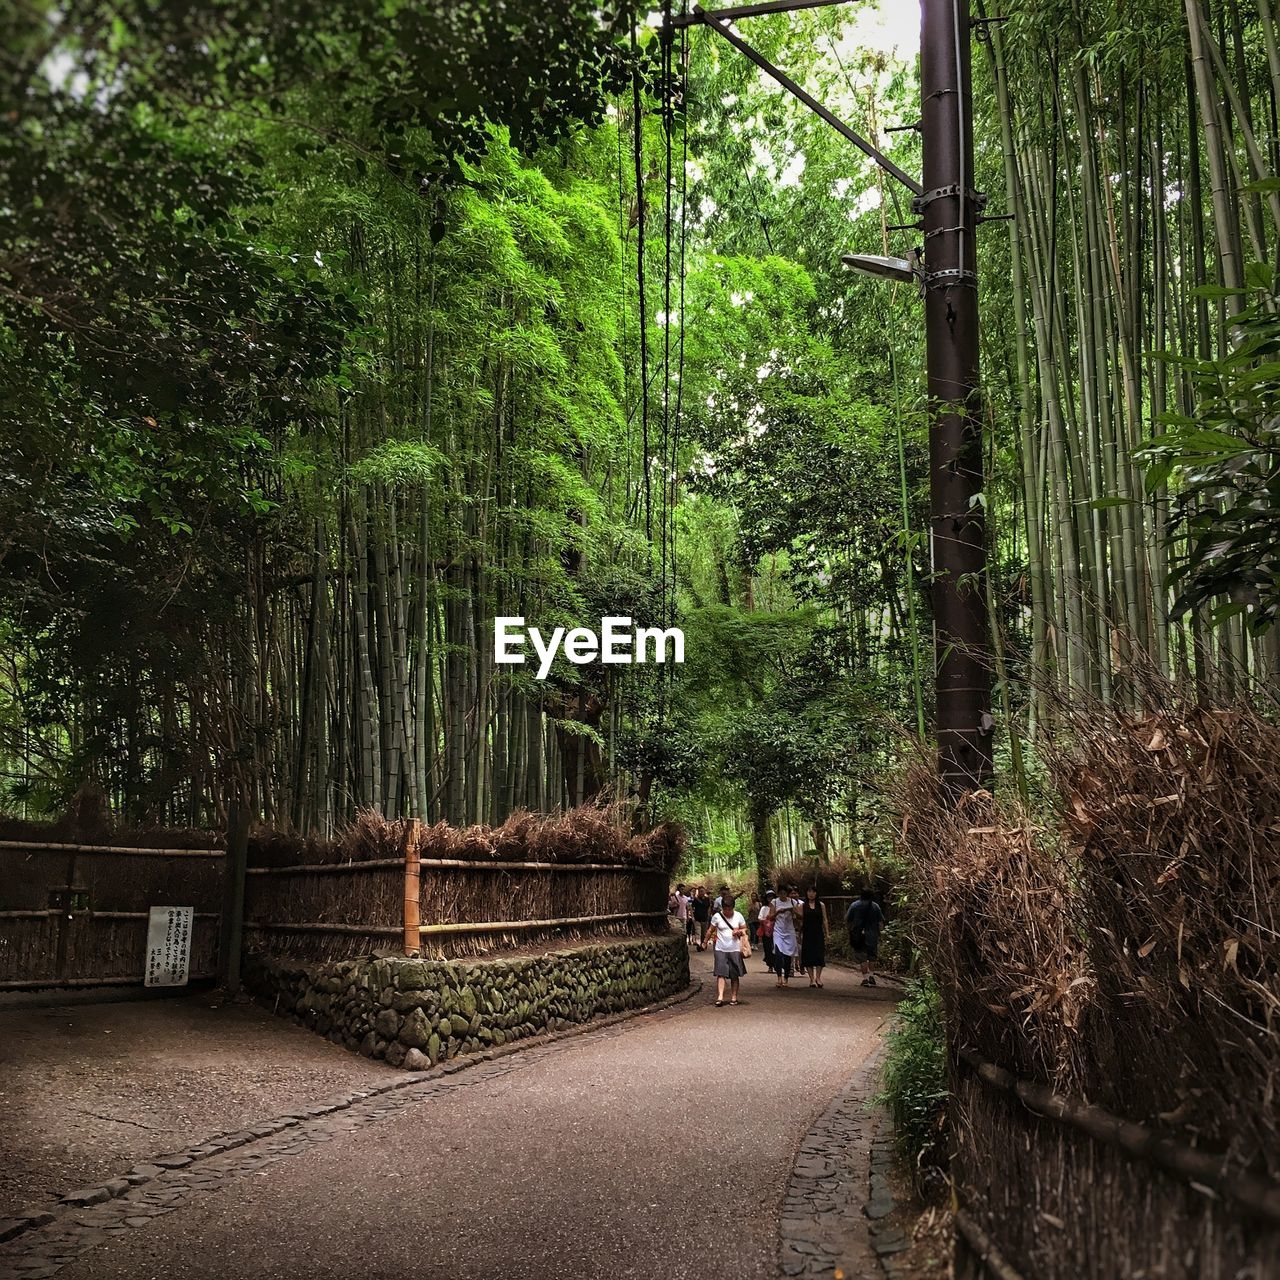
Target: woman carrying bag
731 944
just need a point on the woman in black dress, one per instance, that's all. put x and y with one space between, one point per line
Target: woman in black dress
813 937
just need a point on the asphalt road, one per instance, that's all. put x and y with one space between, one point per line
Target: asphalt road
658 1148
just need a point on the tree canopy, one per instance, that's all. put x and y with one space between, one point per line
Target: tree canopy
328 334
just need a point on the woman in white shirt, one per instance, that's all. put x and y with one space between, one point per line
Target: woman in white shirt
730 928
785 945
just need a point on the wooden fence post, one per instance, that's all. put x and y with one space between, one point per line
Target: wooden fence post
412 891
232 923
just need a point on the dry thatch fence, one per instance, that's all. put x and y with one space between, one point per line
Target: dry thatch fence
76 894
1111 982
446 892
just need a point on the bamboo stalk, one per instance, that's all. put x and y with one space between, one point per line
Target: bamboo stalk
470 926
1258 1195
47 846
39 984
412 891
984 1247
505 926
1232 273
90 914
382 864
377 930
87 914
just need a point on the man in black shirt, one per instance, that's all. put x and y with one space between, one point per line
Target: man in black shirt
701 915
865 920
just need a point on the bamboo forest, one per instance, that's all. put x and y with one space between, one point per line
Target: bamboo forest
380 350
509 508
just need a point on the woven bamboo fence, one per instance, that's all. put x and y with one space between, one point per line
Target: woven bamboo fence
1111 984
75 912
444 892
1050 1187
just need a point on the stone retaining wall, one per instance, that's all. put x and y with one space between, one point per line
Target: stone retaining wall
414 1013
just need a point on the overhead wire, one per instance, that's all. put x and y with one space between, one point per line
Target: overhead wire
670 444
668 107
853 93
622 323
664 511
684 237
638 155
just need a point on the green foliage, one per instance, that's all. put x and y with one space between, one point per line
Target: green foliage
914 1078
421 79
320 345
214 322
1224 463
400 462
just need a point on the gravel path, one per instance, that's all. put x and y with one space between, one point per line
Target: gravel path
659 1147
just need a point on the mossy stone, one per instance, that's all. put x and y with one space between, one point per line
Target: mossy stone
411 974
416 1030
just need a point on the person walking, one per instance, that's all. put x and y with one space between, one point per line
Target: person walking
764 928
701 908
678 905
785 942
753 920
730 928
815 929
865 920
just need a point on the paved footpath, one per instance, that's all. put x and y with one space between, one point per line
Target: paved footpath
660 1146
87 1090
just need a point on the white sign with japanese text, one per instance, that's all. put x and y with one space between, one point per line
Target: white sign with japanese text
169 946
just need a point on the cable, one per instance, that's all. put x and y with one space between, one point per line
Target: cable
684 236
853 93
638 147
664 512
667 123
622 271
964 177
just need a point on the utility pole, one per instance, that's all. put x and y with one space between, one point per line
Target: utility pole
950 207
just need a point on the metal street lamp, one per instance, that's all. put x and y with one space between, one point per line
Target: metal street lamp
873 264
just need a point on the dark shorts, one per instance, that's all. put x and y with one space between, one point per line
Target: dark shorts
730 964
870 947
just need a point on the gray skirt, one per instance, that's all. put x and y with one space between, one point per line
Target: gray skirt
730 964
